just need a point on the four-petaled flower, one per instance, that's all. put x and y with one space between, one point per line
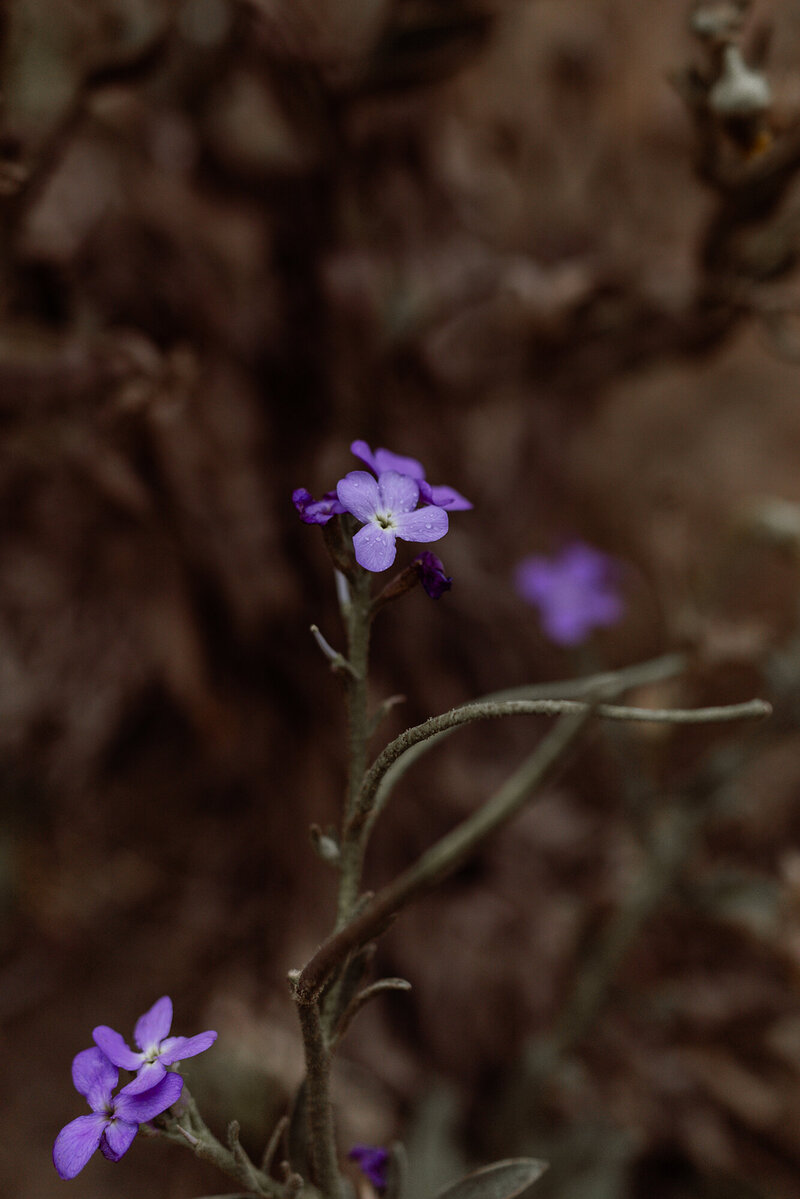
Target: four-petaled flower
373 1161
381 460
157 1049
385 506
575 592
115 1120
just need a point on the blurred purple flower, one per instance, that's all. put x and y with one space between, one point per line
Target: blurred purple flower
316 512
381 460
385 506
114 1121
431 574
373 1162
157 1049
575 592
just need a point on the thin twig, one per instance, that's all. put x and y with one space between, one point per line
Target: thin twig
273 1144
440 860
469 713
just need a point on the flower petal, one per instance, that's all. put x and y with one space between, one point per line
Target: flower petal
358 493
384 459
186 1047
111 1043
154 1025
137 1109
605 607
149 1074
584 564
315 512
76 1143
445 497
566 625
362 451
399 493
117 1139
534 579
374 547
426 524
94 1077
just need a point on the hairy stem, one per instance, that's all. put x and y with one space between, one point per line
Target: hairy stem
358 619
190 1129
321 1136
441 859
490 710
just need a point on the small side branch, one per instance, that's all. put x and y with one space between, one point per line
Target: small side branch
457 846
469 713
440 860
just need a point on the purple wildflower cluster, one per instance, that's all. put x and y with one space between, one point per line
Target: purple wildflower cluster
115 1119
575 592
395 500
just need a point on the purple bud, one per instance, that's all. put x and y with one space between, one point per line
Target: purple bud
316 512
373 1161
431 574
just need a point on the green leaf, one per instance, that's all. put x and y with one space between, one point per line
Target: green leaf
501 1180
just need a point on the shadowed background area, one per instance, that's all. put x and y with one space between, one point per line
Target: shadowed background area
505 237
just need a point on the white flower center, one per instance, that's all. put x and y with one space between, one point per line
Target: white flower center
385 520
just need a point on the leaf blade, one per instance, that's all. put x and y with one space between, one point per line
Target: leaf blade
501 1180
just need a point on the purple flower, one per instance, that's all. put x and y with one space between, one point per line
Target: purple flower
386 509
431 574
316 512
575 592
373 1162
157 1049
115 1120
382 460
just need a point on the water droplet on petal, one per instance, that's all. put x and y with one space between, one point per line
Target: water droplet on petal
427 526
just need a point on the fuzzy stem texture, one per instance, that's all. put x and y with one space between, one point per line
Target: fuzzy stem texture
358 619
321 1135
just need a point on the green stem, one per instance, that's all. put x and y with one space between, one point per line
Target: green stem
440 860
190 1129
321 1136
469 713
448 853
358 619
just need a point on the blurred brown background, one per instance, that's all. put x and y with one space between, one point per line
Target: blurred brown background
236 234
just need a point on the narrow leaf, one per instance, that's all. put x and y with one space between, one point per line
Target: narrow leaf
363 997
655 670
501 1180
